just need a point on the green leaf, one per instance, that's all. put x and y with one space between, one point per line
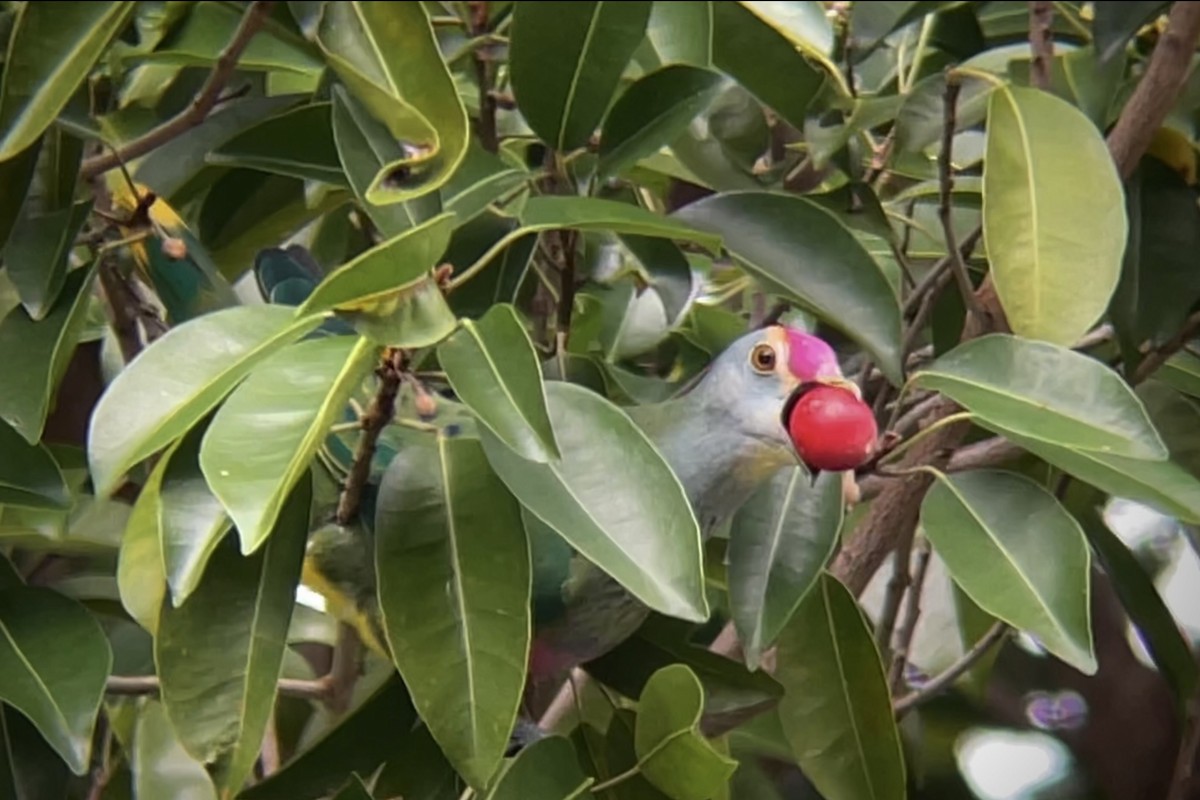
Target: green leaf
672 754
264 436
493 368
836 711
359 743
1163 485
779 544
871 23
653 112
191 519
1053 215
37 254
1159 283
803 251
297 142
546 770
388 57
1047 392
40 352
378 276
177 380
481 179
419 771
1116 23
160 765
668 271
365 147
55 660
218 656
566 60
1036 575
51 50
592 213
750 50
681 33
29 475
141 572
1181 371
353 790
29 767
1157 629
920 120
16 174
655 554
454 582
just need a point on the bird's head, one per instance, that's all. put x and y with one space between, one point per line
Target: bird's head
790 394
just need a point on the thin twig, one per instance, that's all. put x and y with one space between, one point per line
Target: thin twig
946 183
912 612
198 110
934 274
343 672
134 685
1156 358
482 58
122 307
378 414
952 673
894 593
1041 42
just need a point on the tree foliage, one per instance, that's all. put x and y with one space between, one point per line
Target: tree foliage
386 278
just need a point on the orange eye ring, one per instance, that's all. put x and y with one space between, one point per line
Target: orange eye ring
762 358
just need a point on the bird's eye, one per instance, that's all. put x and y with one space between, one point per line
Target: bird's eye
762 358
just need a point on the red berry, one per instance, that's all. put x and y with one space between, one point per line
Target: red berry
832 429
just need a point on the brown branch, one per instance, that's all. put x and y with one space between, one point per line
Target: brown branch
378 414
1156 358
482 58
952 673
938 270
946 185
912 612
1159 88
198 109
122 307
894 594
134 685
1041 42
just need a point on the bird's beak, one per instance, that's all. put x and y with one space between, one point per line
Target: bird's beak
841 382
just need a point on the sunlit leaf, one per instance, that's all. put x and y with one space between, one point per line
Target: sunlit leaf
160 765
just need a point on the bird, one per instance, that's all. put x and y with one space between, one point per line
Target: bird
724 438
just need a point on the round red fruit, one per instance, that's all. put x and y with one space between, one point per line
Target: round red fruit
832 429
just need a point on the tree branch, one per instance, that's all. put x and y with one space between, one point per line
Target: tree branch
1156 358
912 612
1158 89
952 673
482 60
946 186
198 109
134 685
378 414
1041 42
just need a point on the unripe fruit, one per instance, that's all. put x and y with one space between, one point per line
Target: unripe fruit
831 429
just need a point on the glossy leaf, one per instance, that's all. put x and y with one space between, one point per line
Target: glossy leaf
870 23
262 439
1053 215
40 352
1162 485
141 572
803 251
16 173
209 28
920 121
836 712
454 583
668 270
359 743
191 520
756 55
592 213
377 276
29 475
353 790
52 48
1156 627
160 765
218 656
655 553
803 22
420 771
481 179
653 112
55 659
566 60
388 57
546 770
779 544
37 254
1115 23
29 767
681 33
1159 280
672 754
1018 554
297 142
173 383
493 368
365 146
1044 391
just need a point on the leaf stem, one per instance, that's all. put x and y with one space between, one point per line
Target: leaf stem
995 634
198 110
921 434
134 685
632 772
